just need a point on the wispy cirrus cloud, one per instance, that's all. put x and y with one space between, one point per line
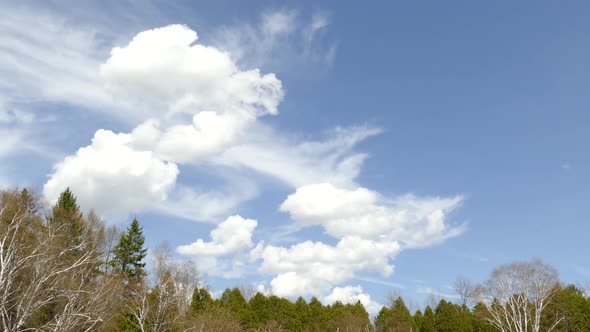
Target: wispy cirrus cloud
279 39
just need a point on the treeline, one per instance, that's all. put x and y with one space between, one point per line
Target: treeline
62 270
569 306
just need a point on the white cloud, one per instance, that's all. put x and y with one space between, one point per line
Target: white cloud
10 141
177 81
275 24
370 229
226 255
110 168
230 236
281 37
298 163
164 71
208 134
314 267
410 220
44 58
351 295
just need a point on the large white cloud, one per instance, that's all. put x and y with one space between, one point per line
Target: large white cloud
410 220
371 230
110 168
208 134
314 267
195 103
164 68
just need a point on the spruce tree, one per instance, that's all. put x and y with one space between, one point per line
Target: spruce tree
201 301
129 254
428 321
67 218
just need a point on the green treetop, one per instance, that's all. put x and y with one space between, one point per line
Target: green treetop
129 253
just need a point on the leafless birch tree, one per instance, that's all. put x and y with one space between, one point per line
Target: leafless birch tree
516 295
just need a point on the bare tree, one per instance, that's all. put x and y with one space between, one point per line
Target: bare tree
466 291
39 271
516 295
162 307
34 274
392 295
248 291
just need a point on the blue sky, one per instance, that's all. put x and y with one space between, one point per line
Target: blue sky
448 139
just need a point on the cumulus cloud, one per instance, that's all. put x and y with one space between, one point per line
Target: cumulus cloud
410 220
226 254
165 71
371 231
208 134
197 103
199 107
314 267
110 167
351 295
230 236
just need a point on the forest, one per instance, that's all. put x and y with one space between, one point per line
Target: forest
65 270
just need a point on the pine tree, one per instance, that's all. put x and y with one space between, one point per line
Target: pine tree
396 318
201 300
428 321
67 218
129 254
451 317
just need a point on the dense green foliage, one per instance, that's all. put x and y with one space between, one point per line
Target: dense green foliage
60 272
130 253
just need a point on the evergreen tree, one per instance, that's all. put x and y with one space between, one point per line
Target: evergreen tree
201 300
260 308
428 321
396 318
571 304
382 318
302 315
67 218
453 318
418 318
317 320
129 254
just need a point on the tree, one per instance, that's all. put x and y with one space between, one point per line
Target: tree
428 321
163 307
481 318
452 318
66 215
47 284
201 300
517 294
570 303
396 318
466 291
129 254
